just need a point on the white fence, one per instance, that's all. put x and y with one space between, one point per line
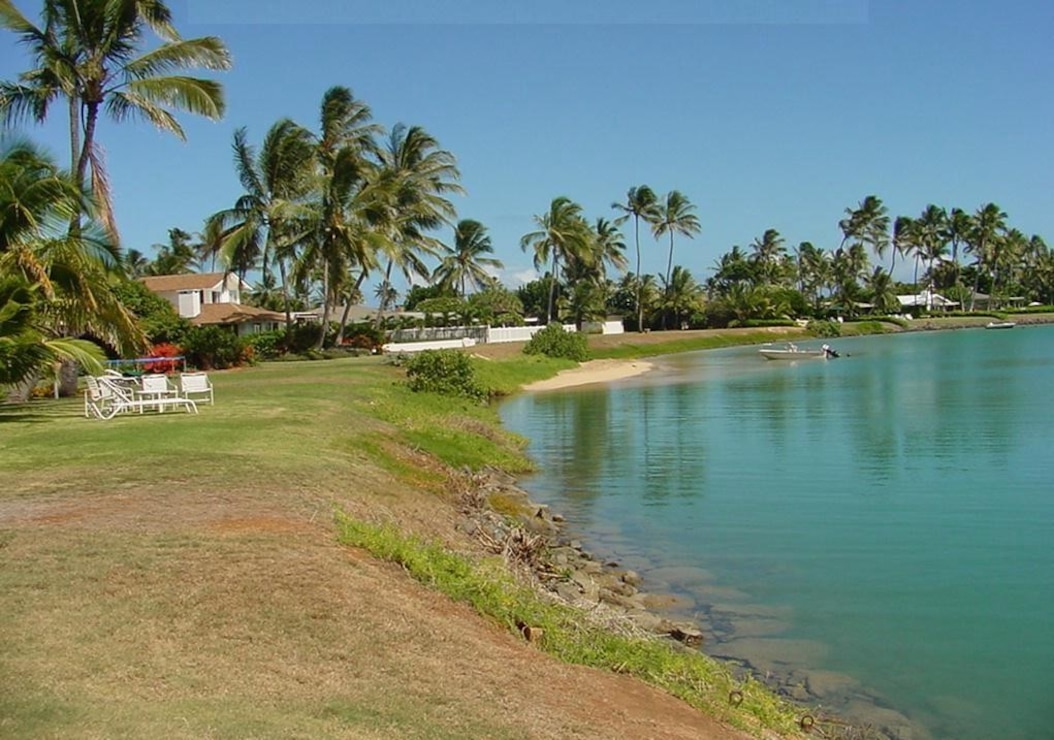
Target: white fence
408 347
499 334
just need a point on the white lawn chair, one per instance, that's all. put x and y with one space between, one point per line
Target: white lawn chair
121 399
196 385
155 387
98 399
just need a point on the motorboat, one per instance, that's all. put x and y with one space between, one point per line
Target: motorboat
790 351
1000 325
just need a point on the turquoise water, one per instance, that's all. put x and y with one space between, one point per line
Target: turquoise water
877 528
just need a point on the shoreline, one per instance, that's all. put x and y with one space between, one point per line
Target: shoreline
592 372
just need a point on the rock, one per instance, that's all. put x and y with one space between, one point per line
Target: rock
589 588
688 634
632 578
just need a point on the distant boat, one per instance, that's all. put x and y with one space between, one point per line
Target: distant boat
1000 325
794 352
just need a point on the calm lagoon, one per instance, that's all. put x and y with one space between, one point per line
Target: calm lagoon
876 529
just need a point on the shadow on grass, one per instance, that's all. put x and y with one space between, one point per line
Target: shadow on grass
40 412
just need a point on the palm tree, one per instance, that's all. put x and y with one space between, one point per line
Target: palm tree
882 293
957 232
676 216
768 252
641 203
56 284
410 198
466 263
266 221
177 257
987 226
88 53
907 239
932 234
562 235
682 295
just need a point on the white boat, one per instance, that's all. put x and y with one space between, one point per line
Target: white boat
794 352
1000 325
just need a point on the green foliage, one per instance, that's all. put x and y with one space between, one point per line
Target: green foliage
491 590
554 341
159 320
496 306
445 371
766 322
267 345
420 293
824 329
212 347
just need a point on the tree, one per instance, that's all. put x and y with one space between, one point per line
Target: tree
57 284
177 257
868 224
676 216
768 253
88 52
987 226
562 235
682 296
881 291
410 198
267 220
466 262
932 238
641 203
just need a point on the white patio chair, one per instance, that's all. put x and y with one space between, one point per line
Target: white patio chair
196 385
153 387
98 399
123 399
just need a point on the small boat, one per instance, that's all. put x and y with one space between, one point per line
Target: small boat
1000 325
794 352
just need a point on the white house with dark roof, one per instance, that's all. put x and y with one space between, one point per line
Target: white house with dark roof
213 298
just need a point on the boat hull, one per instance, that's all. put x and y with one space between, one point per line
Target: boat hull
790 354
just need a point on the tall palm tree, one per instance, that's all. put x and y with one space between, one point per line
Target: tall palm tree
988 225
266 221
88 52
412 188
676 216
467 263
641 203
957 230
562 235
932 235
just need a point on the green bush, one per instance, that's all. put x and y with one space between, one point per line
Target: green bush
553 341
212 347
825 329
267 345
444 371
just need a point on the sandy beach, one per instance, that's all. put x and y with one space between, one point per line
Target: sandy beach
593 371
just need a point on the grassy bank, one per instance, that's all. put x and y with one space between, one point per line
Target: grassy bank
180 575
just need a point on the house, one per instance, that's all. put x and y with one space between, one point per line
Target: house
213 298
927 299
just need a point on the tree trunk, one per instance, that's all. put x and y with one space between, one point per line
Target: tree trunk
67 380
640 291
347 306
285 298
325 308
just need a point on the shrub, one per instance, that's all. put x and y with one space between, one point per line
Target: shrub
164 365
364 336
444 371
553 341
267 345
825 329
212 347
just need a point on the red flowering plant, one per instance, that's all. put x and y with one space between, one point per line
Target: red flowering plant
159 361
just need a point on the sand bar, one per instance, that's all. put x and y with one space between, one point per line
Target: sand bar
594 371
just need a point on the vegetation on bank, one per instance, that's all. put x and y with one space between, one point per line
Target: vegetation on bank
560 630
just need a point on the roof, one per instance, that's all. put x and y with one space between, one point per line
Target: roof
190 281
358 313
234 313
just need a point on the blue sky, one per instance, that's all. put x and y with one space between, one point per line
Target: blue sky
765 113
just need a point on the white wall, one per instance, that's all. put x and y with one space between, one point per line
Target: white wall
408 347
497 335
